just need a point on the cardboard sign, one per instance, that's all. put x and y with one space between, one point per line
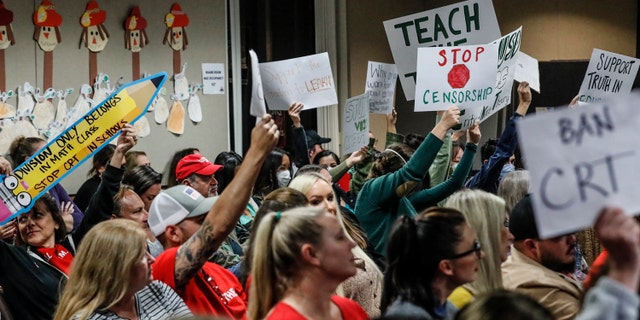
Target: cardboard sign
78 143
462 76
306 79
581 159
608 74
381 86
527 70
355 124
258 109
463 23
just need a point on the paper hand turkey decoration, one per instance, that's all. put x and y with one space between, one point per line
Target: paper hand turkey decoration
47 22
135 36
94 34
176 34
6 33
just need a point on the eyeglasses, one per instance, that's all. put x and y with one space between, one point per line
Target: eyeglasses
477 249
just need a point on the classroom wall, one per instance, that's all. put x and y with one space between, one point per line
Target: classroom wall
552 30
207 35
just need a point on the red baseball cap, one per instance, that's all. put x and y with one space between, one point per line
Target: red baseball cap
195 163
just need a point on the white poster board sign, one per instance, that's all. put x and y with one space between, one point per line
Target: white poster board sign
257 109
462 76
608 74
508 49
381 86
463 23
527 70
355 124
305 79
213 78
581 159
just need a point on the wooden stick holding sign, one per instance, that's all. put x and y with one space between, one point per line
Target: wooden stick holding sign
94 35
75 145
581 159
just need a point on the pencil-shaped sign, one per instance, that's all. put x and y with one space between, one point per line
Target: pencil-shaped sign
72 147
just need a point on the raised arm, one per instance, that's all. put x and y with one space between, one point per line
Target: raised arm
301 155
100 206
226 211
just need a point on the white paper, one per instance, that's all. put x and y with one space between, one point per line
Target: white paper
355 123
527 70
608 74
305 79
463 23
581 159
258 108
508 49
381 86
213 78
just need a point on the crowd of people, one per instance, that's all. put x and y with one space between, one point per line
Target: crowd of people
403 232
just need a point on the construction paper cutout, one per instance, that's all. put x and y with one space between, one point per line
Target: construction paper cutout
135 37
25 100
94 34
160 108
176 34
47 22
193 106
6 32
175 124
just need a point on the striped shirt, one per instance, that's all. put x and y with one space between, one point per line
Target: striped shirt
157 301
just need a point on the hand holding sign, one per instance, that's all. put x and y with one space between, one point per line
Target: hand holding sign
294 113
450 118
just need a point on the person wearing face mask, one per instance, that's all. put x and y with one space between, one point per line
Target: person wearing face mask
498 155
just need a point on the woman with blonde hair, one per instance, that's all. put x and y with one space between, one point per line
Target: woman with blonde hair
111 278
300 258
366 286
486 214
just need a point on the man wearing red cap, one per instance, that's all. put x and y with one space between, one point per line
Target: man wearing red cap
197 172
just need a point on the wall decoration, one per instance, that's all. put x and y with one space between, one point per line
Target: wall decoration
176 33
135 38
94 34
47 34
6 40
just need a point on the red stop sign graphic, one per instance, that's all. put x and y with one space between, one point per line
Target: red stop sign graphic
458 76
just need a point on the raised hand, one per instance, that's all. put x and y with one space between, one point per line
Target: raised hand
294 113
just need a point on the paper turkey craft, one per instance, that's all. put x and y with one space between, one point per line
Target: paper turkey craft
94 34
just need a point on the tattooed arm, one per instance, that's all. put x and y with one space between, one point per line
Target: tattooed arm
226 211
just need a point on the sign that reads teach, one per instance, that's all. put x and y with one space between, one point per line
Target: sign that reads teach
305 79
381 86
608 74
356 123
581 159
463 23
462 76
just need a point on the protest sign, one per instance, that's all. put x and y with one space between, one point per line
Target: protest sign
463 23
527 71
608 73
508 49
306 79
581 159
462 76
79 142
355 126
257 108
381 86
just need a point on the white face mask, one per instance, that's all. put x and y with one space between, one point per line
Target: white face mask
284 177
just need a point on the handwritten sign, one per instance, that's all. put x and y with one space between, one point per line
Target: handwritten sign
306 79
213 78
463 76
508 49
527 70
356 123
381 86
581 159
463 23
258 108
608 74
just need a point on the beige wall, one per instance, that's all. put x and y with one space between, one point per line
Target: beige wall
552 30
